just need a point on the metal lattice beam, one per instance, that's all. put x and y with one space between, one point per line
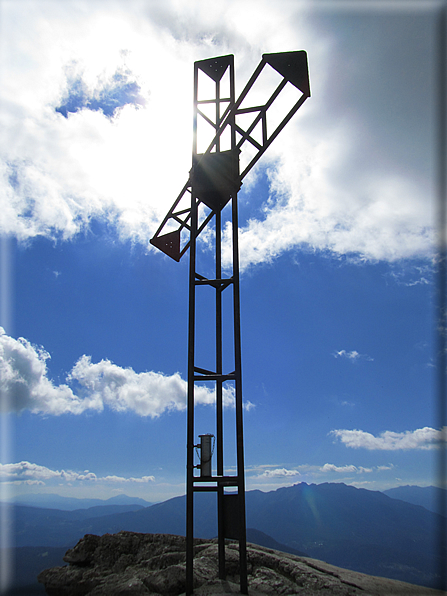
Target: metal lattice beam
292 67
213 183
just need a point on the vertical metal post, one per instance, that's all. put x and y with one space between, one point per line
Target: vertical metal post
219 403
190 407
190 397
217 113
239 408
238 368
219 417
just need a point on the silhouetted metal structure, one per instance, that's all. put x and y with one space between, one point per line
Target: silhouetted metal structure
237 133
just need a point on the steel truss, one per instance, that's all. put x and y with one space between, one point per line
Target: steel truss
213 183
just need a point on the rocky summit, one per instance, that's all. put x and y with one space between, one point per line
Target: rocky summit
134 564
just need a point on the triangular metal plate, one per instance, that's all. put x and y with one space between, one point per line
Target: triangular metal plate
215 67
169 244
214 200
293 67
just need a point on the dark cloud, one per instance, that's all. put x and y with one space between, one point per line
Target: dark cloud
381 75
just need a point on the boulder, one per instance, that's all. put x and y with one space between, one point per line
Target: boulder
134 564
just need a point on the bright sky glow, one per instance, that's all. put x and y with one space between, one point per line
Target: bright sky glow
337 246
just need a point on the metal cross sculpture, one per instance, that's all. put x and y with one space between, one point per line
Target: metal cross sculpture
229 137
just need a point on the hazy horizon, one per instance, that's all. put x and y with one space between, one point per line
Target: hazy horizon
337 246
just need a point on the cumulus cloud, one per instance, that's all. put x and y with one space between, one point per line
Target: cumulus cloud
421 438
372 225
353 356
25 472
332 186
24 384
60 172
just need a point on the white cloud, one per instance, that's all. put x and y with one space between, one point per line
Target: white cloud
421 438
413 275
419 282
353 355
273 476
374 216
24 384
344 469
28 473
26 470
66 171
57 173
141 480
330 186
279 473
388 467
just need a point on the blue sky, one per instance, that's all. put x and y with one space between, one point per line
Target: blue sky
337 243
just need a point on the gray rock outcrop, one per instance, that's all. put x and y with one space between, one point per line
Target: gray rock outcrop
133 564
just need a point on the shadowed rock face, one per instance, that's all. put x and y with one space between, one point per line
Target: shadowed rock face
133 564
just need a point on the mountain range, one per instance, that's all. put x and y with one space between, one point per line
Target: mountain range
53 501
432 498
358 529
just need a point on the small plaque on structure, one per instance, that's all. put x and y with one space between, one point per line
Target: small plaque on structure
231 516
